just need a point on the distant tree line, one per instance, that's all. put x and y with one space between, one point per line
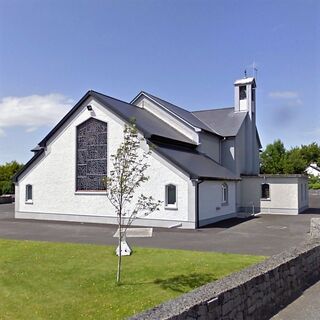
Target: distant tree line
7 171
277 159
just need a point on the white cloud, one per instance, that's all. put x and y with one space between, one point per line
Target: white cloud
32 112
283 94
287 98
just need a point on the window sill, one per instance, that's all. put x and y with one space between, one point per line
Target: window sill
90 192
265 199
29 202
224 204
171 208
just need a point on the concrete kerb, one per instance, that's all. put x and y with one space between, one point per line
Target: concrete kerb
257 292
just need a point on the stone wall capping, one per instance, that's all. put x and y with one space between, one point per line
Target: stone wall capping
253 293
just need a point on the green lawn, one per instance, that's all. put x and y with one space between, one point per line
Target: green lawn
41 280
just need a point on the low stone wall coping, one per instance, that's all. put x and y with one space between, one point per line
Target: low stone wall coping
252 291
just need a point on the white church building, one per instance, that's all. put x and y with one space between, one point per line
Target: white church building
204 165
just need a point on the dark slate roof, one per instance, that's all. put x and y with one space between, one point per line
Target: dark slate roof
224 121
198 165
145 121
170 143
148 123
180 112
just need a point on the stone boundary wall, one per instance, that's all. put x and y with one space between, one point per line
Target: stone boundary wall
257 292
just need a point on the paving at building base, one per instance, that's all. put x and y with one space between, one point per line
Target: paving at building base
261 235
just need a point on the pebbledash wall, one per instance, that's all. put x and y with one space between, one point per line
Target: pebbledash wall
257 292
53 181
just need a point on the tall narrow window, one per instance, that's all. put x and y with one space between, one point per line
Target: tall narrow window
243 92
91 155
265 191
171 196
224 191
29 193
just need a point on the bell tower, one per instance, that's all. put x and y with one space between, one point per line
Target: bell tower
245 96
245 102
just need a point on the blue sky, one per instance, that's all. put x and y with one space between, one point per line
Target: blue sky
187 52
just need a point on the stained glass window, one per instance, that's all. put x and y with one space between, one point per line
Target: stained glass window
91 155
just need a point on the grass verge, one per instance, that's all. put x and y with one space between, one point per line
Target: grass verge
41 280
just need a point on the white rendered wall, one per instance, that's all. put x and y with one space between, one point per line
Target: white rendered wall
228 154
53 180
283 197
241 150
211 208
248 195
303 193
170 119
287 194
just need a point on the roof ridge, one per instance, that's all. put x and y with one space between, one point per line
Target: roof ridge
213 109
152 95
105 95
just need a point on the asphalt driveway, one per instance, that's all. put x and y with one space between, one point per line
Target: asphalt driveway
261 235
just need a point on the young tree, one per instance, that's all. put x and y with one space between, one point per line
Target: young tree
128 172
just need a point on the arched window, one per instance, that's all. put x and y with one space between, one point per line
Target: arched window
224 193
29 193
91 155
265 191
171 196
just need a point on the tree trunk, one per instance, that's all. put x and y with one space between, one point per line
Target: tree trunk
120 255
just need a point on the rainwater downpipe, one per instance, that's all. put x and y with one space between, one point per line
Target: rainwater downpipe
197 182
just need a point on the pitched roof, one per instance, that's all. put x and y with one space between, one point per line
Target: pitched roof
170 143
197 164
178 111
224 121
145 121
